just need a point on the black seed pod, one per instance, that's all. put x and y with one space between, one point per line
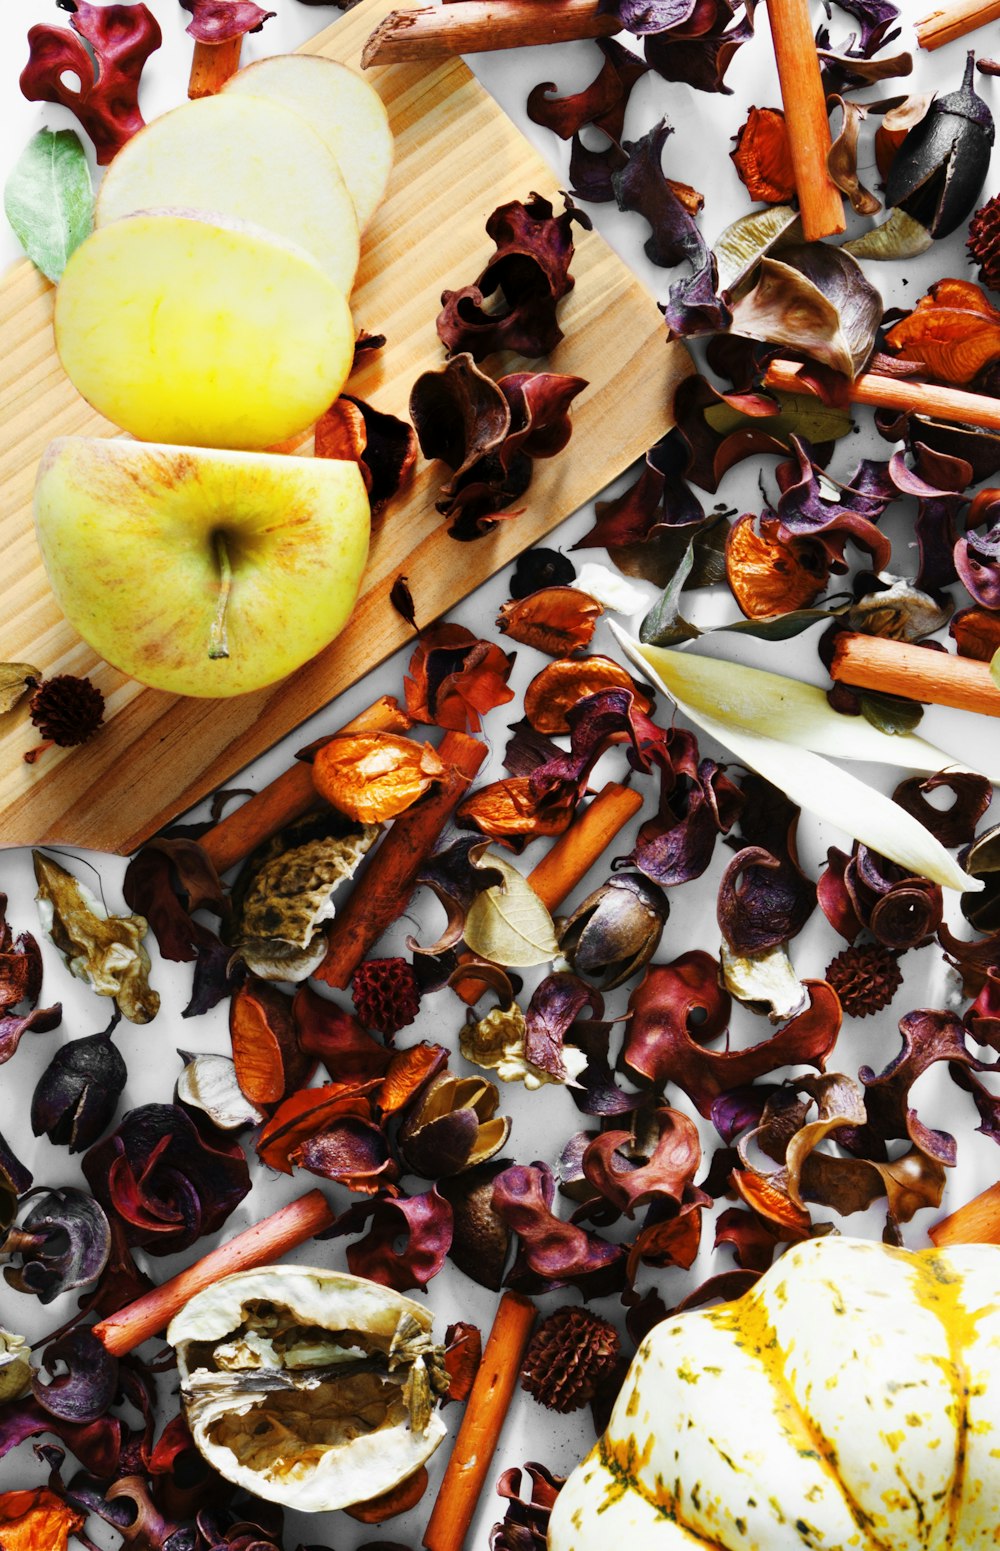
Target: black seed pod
940 168
77 1093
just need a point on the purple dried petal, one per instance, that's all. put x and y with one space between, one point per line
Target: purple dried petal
804 512
425 1223
40 1020
87 1388
97 1445
352 1152
218 21
763 901
63 1243
641 186
956 825
668 1172
701 53
555 1005
929 1035
552 1253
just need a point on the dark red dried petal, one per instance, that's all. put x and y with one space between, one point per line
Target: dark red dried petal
218 21
424 1221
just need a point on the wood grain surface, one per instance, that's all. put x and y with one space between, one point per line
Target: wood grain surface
457 157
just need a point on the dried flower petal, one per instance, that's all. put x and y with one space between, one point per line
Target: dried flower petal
307 1113
552 1253
423 1222
36 1520
953 331
383 446
218 21
562 684
762 157
556 620
455 678
768 574
374 776
103 950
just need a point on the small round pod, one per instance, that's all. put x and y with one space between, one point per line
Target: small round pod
311 1388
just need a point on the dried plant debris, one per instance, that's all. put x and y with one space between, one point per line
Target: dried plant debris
104 951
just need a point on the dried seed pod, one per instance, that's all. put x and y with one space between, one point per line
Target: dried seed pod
454 1126
571 1352
556 620
269 1061
208 1083
480 1238
557 688
940 168
76 1095
616 930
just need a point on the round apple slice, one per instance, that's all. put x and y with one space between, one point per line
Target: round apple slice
165 558
180 330
345 111
241 157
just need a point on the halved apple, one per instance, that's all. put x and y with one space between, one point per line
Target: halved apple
345 111
180 330
247 158
199 571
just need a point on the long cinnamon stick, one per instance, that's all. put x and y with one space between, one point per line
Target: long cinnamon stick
977 1222
474 26
921 398
289 795
804 101
572 856
212 64
467 1469
260 1245
900 668
948 22
386 881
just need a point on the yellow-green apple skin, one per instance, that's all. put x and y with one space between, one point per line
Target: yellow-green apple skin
130 535
251 159
180 330
343 108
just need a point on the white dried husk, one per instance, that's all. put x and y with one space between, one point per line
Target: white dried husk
347 1417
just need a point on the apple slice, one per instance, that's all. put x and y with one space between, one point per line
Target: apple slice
179 330
246 158
164 558
345 111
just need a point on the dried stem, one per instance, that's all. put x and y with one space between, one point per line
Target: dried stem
977 1222
474 26
212 64
949 22
918 398
804 101
900 668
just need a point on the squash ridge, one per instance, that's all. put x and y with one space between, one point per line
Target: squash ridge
750 1318
626 1481
940 1293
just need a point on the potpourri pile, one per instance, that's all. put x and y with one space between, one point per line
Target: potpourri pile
426 1168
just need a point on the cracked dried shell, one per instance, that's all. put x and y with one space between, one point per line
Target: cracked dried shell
309 1387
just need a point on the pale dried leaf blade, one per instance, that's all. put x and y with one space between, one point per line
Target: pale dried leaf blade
49 200
509 924
16 678
104 951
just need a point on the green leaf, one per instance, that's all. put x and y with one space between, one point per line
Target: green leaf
49 199
665 625
802 414
890 713
509 924
779 627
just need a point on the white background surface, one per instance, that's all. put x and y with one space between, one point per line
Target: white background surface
544 1120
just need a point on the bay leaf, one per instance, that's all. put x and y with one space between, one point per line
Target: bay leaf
16 678
49 199
509 924
665 625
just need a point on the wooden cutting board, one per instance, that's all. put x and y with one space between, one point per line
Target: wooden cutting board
457 157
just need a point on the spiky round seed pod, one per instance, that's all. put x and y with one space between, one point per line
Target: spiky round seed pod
984 242
865 978
571 1352
386 994
67 710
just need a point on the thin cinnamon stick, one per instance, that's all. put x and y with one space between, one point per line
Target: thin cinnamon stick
260 1245
948 22
387 880
921 398
475 26
289 795
977 1222
467 1469
572 856
900 668
804 101
212 64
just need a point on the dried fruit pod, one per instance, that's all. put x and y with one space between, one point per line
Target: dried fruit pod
309 1387
616 930
556 620
454 1126
939 170
557 689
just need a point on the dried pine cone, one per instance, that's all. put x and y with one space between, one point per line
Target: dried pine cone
386 994
569 1355
865 978
984 242
66 711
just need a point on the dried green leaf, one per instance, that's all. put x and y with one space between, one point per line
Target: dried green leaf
897 238
781 627
665 625
509 924
802 414
49 199
890 713
749 238
16 678
103 950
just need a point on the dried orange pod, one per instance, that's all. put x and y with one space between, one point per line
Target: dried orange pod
953 331
408 1070
976 634
266 1053
372 776
768 575
508 809
762 157
558 688
399 1500
340 432
556 620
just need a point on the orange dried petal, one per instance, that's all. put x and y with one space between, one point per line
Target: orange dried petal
462 1356
398 1499
556 620
976 634
476 683
408 1071
559 687
508 810
266 1053
306 1113
340 432
769 575
771 1203
953 331
689 197
373 776
762 157
36 1521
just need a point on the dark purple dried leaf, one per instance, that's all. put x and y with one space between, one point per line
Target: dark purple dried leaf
764 901
552 1253
97 1445
556 1003
87 1387
700 52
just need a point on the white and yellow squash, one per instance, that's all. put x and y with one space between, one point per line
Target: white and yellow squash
851 1399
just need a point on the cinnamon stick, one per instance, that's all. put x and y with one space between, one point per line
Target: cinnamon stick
900 668
387 880
467 1469
977 1222
212 64
475 26
948 22
804 100
260 1245
572 856
920 398
289 795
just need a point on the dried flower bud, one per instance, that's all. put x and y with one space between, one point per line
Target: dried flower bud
386 994
76 1095
984 242
66 710
865 978
616 930
941 166
453 1126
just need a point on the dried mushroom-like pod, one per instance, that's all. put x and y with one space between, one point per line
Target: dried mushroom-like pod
454 1126
616 930
308 1387
283 894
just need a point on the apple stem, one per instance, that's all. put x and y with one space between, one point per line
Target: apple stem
218 646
